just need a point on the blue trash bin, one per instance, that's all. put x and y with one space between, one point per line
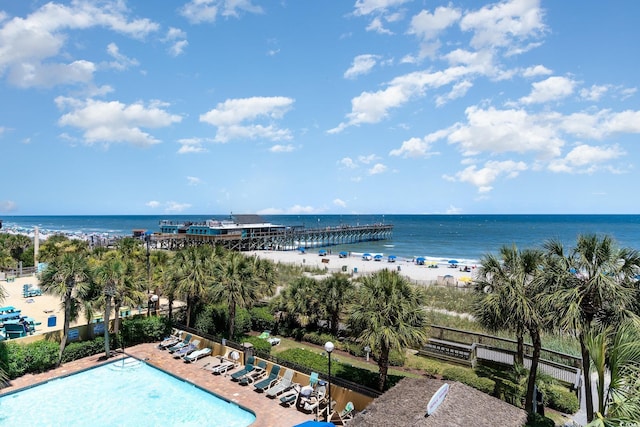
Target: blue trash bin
355 269
51 321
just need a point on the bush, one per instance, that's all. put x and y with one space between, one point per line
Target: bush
78 350
468 377
397 358
258 343
137 330
319 339
558 398
34 357
537 420
262 319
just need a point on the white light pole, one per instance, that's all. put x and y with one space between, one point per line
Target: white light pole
329 348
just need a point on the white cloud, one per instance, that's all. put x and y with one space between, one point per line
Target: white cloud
278 148
501 131
507 24
372 107
536 70
8 206
348 163
367 7
192 180
551 89
26 43
298 209
369 158
339 202
191 145
457 91
377 26
177 41
154 204
483 178
120 62
600 124
586 159
362 64
228 117
420 147
594 93
378 168
452 210
109 122
175 207
198 11
428 26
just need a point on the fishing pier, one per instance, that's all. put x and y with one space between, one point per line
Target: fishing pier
250 233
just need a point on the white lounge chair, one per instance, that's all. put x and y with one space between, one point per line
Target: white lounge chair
285 383
190 358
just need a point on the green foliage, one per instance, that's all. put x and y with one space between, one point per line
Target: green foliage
319 363
259 344
320 339
137 330
243 322
79 349
20 359
397 358
510 383
212 319
470 378
450 299
538 420
262 319
558 398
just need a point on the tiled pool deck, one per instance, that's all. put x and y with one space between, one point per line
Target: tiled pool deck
268 411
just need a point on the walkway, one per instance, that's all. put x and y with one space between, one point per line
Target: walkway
268 412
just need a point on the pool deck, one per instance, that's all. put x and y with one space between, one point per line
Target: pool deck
268 412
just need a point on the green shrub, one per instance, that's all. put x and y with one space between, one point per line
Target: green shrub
558 398
538 420
262 319
242 323
468 377
259 344
354 348
138 330
79 349
41 356
320 339
397 358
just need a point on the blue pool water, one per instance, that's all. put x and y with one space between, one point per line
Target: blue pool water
123 393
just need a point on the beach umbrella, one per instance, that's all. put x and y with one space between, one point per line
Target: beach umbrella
453 261
465 279
344 254
322 252
377 257
420 260
392 258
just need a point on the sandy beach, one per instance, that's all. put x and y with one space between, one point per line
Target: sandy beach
356 265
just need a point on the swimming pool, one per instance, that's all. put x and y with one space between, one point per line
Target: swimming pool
126 392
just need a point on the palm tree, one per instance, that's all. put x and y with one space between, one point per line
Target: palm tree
616 354
235 285
387 314
194 274
67 277
511 299
593 284
110 274
301 301
335 293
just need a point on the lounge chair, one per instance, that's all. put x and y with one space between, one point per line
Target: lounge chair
227 364
264 335
190 358
258 372
288 398
285 383
185 341
171 340
186 350
311 402
341 418
248 367
265 383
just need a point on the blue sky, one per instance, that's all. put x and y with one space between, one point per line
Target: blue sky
295 107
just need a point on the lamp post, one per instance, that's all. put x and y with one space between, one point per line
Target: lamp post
328 346
367 350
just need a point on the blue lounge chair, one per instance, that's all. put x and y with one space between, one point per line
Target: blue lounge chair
259 371
183 343
171 340
187 349
265 383
248 367
289 397
285 383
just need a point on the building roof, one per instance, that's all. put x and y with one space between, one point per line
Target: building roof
406 405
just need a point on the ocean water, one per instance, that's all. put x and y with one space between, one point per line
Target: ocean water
465 238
